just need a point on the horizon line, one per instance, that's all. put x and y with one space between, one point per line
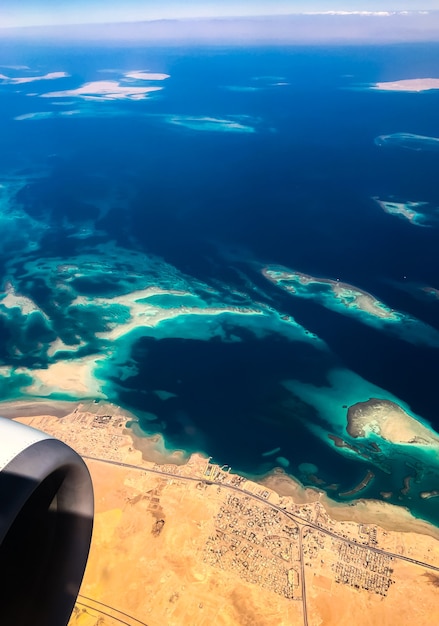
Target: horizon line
230 17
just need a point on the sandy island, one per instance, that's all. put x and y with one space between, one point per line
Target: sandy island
408 84
347 295
389 421
104 90
406 210
20 80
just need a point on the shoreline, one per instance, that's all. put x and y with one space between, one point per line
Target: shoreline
36 407
152 449
389 516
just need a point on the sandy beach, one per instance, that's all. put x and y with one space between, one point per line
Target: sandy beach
36 407
41 413
160 523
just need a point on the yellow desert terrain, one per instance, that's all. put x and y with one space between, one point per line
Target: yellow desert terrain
192 544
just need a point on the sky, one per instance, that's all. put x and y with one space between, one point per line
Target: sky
17 13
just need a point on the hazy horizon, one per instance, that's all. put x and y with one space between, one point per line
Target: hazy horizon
328 27
63 12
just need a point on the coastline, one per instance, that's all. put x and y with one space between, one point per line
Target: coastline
36 407
153 447
389 516
134 448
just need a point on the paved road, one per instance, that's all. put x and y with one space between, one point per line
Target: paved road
102 608
291 516
303 581
101 612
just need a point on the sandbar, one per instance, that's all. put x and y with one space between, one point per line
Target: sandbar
361 485
104 90
408 84
143 314
431 291
31 79
408 141
143 75
75 378
210 124
12 300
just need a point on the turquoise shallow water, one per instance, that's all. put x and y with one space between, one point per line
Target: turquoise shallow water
135 234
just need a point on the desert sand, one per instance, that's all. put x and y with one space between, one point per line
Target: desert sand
192 544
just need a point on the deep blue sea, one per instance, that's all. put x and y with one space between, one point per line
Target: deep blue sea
240 160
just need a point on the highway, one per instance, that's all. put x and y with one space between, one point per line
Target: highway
291 516
303 581
120 617
101 612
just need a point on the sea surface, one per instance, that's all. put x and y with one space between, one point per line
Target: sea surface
239 160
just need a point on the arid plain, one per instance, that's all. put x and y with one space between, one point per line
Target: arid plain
191 543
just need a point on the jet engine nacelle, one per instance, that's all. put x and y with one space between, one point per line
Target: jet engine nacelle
46 520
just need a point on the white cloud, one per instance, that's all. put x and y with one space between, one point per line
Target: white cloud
377 13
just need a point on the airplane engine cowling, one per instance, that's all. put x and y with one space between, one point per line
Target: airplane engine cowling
46 520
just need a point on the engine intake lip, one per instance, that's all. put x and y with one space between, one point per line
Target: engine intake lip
46 521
